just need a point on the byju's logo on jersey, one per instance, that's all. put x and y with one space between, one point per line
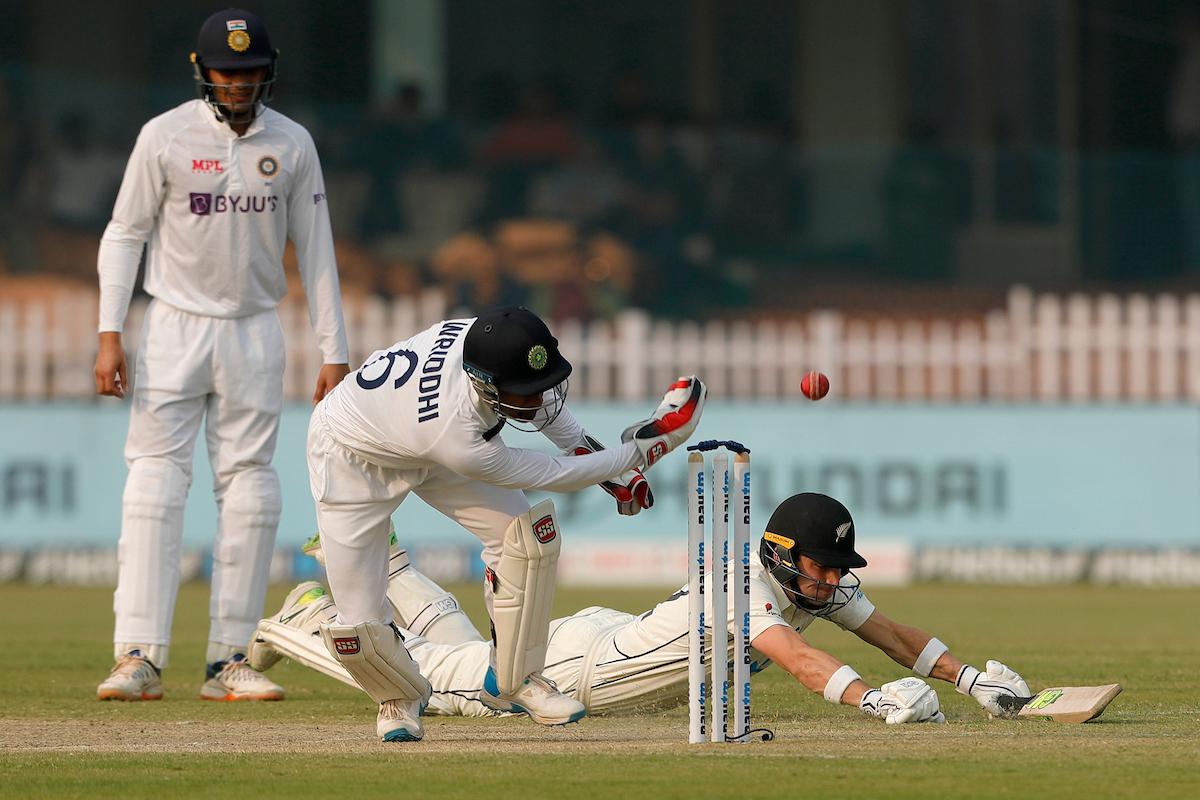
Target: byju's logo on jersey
203 203
206 166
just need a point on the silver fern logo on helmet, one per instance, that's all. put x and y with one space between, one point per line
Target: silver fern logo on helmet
841 531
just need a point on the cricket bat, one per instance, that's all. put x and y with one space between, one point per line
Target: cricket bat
1061 703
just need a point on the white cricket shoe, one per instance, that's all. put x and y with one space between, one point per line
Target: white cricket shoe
307 601
537 696
235 679
132 678
400 721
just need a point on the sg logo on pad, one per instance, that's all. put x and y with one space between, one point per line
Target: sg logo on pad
544 529
348 646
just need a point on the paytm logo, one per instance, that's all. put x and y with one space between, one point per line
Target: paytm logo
203 203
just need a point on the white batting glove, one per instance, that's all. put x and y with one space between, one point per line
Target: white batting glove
985 687
673 421
905 700
630 489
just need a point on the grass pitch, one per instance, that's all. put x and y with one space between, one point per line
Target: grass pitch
56 740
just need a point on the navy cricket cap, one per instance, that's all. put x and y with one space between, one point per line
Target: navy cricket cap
234 39
513 350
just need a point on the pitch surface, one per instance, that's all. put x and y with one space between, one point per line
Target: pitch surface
56 740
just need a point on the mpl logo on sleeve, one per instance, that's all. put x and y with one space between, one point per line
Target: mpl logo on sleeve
544 529
347 646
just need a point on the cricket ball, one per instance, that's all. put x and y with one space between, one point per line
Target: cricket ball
814 385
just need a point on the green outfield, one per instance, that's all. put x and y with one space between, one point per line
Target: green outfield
56 740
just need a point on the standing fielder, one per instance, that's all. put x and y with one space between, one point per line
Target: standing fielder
424 416
215 186
612 661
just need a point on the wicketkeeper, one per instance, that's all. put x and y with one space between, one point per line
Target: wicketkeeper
612 661
424 416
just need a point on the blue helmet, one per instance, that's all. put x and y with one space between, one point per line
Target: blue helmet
234 40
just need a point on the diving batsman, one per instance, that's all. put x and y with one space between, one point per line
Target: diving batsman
613 661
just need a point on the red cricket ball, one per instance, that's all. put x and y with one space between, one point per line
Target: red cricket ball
814 385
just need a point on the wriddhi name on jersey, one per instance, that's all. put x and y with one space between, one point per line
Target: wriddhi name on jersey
370 376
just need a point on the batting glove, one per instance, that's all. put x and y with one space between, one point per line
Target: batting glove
905 700
985 687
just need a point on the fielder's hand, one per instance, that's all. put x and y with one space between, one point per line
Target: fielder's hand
329 376
985 687
630 489
673 422
905 700
112 373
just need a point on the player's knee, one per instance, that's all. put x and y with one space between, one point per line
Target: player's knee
155 486
255 492
443 621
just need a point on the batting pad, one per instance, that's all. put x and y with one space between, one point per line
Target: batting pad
523 595
377 659
307 648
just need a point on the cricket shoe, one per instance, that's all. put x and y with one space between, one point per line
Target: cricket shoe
313 548
537 696
235 679
132 678
400 721
305 605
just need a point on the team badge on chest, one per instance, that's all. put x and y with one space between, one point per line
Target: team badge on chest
268 166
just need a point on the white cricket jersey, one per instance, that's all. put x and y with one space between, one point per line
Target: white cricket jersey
641 662
456 672
216 210
412 406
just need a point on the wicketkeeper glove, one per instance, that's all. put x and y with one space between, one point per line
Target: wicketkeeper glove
985 687
905 700
673 421
630 489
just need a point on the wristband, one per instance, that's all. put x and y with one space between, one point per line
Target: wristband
925 662
965 681
839 682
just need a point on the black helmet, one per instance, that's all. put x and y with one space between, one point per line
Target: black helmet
228 40
817 526
511 350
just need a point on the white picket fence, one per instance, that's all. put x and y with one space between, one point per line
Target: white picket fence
1044 348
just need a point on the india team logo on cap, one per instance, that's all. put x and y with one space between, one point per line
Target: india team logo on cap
268 166
239 41
538 357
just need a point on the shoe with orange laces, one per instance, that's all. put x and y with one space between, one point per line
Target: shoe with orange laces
132 678
235 679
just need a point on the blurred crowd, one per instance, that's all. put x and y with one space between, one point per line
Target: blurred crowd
525 203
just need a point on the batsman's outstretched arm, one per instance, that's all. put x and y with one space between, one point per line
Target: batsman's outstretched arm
905 644
928 656
906 700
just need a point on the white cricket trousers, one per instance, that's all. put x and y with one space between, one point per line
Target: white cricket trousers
355 499
227 373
